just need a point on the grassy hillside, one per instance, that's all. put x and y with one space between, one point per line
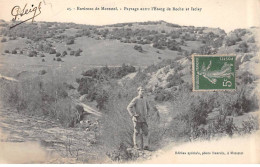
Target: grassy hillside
56 63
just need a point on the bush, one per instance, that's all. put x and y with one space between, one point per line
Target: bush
232 39
247 78
80 50
158 45
222 126
243 47
108 73
59 59
250 125
173 46
96 81
239 104
52 51
192 112
77 53
42 72
186 54
14 52
64 53
199 110
162 95
251 40
72 53
3 40
70 41
58 54
138 48
205 50
32 54
174 80
6 51
42 55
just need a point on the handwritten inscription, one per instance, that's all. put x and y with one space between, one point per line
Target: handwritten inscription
19 12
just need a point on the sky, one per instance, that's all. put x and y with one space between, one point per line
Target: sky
225 14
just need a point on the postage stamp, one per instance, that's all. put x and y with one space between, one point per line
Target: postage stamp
213 72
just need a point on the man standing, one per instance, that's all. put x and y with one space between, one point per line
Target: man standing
139 109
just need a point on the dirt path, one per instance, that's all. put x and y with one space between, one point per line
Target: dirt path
59 144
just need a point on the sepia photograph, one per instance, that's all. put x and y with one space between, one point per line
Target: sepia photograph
129 82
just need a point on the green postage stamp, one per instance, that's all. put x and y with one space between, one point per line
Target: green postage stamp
213 72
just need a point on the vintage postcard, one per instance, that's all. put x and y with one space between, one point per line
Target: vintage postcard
132 82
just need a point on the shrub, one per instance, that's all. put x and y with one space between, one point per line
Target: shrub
58 54
199 110
77 53
64 53
32 54
42 55
221 126
6 51
46 48
239 105
72 53
138 48
251 40
80 50
247 78
205 50
3 40
250 125
162 95
42 72
158 45
192 113
174 80
232 39
107 73
242 47
59 59
14 52
40 47
239 102
173 46
52 51
21 52
70 41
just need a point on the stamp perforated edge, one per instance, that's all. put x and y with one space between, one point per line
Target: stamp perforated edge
210 90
